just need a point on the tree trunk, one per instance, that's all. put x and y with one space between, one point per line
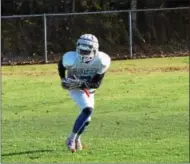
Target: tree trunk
27 42
134 14
73 6
137 34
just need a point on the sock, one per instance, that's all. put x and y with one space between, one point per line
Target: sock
79 133
73 136
78 138
82 130
81 120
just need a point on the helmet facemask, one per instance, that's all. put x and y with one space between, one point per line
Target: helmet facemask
87 47
85 52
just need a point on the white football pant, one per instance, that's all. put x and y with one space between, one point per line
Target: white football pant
82 99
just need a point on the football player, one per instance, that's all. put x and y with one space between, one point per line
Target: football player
81 73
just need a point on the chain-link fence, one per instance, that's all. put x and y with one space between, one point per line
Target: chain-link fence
22 40
122 34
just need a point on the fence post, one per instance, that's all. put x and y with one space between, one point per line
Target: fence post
45 38
130 36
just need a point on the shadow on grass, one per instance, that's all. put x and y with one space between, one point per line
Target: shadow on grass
26 152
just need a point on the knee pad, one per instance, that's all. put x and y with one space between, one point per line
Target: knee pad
87 111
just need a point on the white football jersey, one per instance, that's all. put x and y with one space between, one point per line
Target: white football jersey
72 62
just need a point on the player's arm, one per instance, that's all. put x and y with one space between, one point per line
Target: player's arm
66 83
94 83
61 69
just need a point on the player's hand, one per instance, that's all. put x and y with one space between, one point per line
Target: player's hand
71 83
65 84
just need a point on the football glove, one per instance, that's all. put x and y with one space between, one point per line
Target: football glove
71 83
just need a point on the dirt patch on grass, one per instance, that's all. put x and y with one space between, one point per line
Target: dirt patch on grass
149 70
119 70
28 73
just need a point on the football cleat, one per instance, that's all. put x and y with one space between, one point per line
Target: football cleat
71 145
78 145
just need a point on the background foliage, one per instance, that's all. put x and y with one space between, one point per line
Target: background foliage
154 33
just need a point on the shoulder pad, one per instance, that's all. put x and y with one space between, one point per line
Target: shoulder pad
104 58
68 59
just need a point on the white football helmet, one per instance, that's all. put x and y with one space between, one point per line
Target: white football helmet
87 47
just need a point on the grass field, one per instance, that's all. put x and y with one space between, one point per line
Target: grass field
141 114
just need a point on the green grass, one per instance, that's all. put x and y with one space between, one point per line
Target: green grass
141 114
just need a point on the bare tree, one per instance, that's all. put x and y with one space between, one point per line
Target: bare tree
73 6
134 15
137 34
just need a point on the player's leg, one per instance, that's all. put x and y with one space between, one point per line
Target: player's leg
91 102
78 137
86 104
